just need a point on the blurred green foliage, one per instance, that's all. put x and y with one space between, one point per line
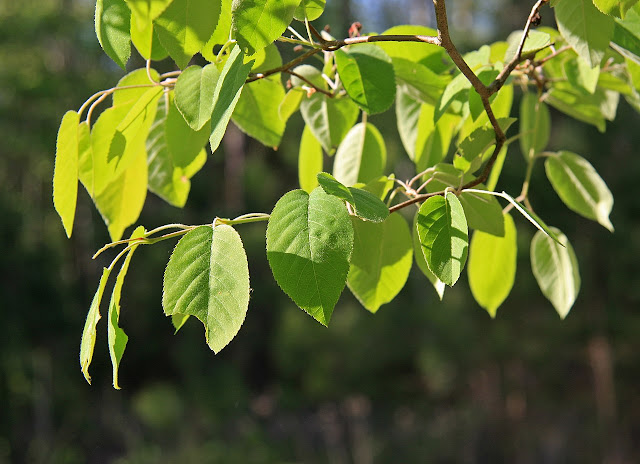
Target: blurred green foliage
420 381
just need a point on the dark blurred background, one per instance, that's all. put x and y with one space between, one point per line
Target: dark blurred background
421 381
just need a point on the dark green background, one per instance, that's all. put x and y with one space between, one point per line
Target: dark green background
421 381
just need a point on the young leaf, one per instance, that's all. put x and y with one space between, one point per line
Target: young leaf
208 277
227 93
170 154
309 161
195 96
580 187
121 202
438 285
366 205
555 267
381 260
309 244
221 34
309 9
329 118
368 77
117 338
535 125
145 11
492 266
186 26
65 174
586 29
256 113
361 156
88 341
444 236
112 22
257 23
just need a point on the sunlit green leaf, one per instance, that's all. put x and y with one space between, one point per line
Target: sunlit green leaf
257 23
112 21
221 34
580 187
535 125
309 9
536 40
492 266
145 11
208 277
368 77
227 93
65 174
361 156
381 260
438 285
365 204
117 338
309 244
195 96
290 104
556 270
186 26
147 42
309 161
88 342
444 236
256 113
586 29
329 118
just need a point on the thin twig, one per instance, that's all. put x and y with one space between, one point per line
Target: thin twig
413 200
518 57
309 83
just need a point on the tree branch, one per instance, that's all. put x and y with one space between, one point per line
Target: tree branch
518 57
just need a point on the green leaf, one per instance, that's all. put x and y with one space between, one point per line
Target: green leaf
470 152
88 341
257 23
536 40
65 174
329 118
361 156
309 244
309 9
614 7
221 34
290 104
310 73
147 42
368 77
586 29
380 186
482 211
366 205
444 236
112 21
580 187
438 285
492 266
426 142
121 202
585 108
381 260
581 76
419 81
145 11
535 125
118 136
195 96
626 36
208 277
256 113
117 338
227 93
309 161
427 54
174 154
454 89
555 267
186 26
